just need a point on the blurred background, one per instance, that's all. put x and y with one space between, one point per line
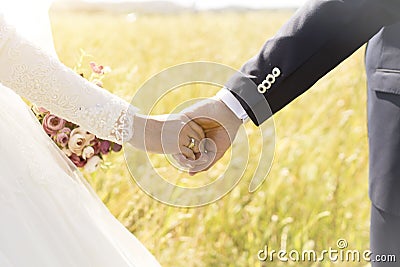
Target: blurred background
173 6
316 192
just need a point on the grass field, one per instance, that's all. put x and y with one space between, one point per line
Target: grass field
316 192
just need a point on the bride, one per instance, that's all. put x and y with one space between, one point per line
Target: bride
49 215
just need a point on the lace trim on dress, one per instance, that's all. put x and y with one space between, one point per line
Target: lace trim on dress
123 127
46 82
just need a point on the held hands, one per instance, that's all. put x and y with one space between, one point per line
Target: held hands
220 126
167 134
197 138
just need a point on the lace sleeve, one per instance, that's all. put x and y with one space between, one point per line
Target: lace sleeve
46 82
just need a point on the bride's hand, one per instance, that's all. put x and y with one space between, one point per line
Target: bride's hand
167 134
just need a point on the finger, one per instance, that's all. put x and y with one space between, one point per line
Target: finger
204 163
197 128
195 133
203 147
183 161
195 148
187 163
208 156
186 139
203 168
211 157
188 153
197 155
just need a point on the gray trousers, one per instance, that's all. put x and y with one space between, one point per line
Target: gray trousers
384 162
384 238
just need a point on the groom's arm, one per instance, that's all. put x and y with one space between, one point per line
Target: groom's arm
315 40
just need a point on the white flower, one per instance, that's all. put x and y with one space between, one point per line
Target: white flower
78 140
106 70
67 152
92 164
88 152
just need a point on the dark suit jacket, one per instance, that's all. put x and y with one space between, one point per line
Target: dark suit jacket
383 73
316 39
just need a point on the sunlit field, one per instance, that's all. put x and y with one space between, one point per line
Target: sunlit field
316 192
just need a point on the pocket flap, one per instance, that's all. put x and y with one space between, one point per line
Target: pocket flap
385 80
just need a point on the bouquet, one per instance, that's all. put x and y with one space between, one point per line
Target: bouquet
84 149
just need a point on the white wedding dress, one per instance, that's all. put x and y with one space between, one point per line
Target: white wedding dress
49 214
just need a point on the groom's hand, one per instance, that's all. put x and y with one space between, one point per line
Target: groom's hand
220 126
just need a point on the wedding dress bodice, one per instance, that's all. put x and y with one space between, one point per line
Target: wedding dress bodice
45 81
50 214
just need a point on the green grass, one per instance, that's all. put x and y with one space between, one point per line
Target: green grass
316 191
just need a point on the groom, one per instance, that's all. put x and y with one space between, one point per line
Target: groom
315 40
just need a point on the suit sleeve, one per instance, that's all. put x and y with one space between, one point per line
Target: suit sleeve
315 40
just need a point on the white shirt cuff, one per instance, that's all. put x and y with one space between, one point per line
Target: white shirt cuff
232 103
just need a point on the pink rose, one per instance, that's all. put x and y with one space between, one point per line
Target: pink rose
42 110
78 161
104 147
52 124
39 110
62 139
96 68
116 147
65 130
